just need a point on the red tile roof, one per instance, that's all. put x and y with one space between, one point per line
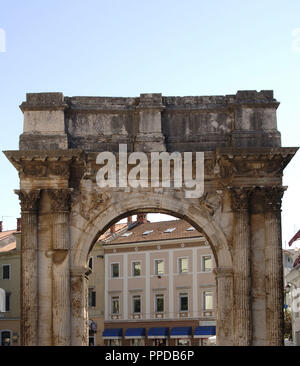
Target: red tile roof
5 234
8 247
107 234
157 232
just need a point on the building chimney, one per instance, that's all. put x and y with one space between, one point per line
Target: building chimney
129 220
113 229
141 218
19 224
1 227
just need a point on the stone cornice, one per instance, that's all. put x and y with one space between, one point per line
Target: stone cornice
231 163
35 163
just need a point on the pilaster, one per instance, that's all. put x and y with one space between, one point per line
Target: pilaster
29 266
273 265
79 296
224 318
241 265
61 313
149 136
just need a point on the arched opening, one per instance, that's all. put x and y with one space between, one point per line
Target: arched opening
210 232
152 283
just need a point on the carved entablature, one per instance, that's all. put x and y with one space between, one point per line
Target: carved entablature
273 197
60 199
228 166
28 199
240 198
46 164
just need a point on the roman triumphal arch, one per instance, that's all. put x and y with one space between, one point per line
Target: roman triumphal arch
64 209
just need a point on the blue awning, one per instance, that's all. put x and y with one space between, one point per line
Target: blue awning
158 332
181 332
112 333
133 333
205 331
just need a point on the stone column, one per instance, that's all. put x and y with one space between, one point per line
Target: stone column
241 267
29 267
273 266
79 290
61 314
224 281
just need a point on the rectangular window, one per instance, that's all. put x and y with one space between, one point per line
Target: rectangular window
115 272
7 301
159 267
136 303
207 263
115 305
183 302
183 265
92 298
6 271
159 303
136 269
207 300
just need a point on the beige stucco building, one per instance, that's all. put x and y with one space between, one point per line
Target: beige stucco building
292 289
158 278
10 266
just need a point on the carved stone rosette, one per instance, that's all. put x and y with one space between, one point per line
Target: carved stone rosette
29 265
273 265
241 264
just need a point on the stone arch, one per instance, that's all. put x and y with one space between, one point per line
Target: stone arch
181 208
113 212
57 164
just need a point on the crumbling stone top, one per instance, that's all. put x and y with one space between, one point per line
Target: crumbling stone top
41 101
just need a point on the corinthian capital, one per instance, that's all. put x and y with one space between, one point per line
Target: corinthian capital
60 199
240 198
273 196
28 199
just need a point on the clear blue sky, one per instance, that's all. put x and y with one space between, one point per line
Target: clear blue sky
124 48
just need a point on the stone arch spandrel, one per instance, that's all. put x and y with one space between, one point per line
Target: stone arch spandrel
85 233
